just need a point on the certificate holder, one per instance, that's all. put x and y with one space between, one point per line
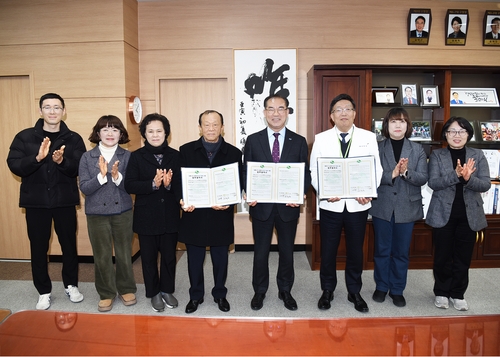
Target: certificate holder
269 182
346 177
207 187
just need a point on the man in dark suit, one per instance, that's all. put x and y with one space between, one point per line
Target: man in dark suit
419 28
275 143
495 27
409 98
213 226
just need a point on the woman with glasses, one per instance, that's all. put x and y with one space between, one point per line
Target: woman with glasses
457 175
398 205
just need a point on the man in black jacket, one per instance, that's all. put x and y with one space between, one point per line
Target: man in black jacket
210 226
46 157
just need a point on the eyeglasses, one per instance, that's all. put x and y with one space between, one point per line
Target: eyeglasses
49 109
280 110
345 110
457 132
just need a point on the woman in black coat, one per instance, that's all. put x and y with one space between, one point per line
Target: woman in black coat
153 175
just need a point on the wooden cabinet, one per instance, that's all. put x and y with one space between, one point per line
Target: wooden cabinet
487 250
327 81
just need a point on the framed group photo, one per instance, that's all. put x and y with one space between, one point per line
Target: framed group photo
409 95
421 131
457 23
377 129
430 96
490 131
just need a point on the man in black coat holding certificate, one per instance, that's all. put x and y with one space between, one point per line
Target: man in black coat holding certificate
275 144
214 226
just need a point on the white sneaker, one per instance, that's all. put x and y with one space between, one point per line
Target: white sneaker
73 293
43 302
441 302
459 304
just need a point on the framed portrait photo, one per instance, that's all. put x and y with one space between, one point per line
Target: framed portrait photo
409 95
421 131
430 96
473 97
491 23
456 25
384 96
419 26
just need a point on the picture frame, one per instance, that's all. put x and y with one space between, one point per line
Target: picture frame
491 25
456 25
473 97
384 96
409 94
421 130
474 127
377 129
419 26
490 131
429 95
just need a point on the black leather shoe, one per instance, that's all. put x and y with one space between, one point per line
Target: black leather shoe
398 300
379 296
357 300
324 300
192 305
257 301
223 304
288 299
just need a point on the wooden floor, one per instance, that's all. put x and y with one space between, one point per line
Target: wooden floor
62 333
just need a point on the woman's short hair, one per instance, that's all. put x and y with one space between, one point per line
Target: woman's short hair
464 124
396 113
152 117
113 122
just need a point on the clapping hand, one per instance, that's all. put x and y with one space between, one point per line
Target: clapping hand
57 156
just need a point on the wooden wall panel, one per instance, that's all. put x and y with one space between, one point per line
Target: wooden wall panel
28 22
78 70
182 101
130 30
297 24
182 64
16 98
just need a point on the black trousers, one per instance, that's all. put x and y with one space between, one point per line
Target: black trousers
196 257
331 224
39 223
164 280
453 248
263 234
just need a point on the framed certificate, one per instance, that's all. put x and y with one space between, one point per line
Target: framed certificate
346 177
207 187
269 182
